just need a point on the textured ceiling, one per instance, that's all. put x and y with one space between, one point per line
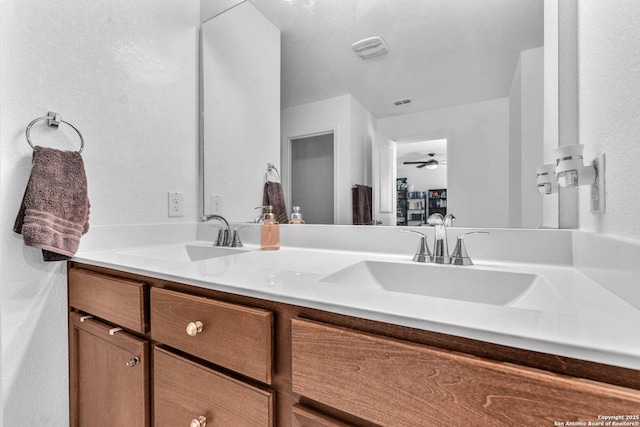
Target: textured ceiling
441 52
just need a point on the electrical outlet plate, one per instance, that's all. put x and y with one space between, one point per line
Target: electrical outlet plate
176 204
598 192
216 203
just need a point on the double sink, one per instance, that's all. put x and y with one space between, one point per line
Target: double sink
477 284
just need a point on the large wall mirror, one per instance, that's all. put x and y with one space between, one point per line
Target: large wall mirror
465 83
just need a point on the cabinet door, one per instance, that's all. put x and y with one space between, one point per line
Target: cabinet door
109 376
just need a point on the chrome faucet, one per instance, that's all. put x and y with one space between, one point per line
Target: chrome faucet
224 234
440 245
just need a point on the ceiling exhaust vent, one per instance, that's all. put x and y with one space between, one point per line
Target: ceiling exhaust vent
371 47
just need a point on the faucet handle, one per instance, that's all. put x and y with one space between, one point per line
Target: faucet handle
223 237
448 220
235 242
435 219
218 239
460 255
423 254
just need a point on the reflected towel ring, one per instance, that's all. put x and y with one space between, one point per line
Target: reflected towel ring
270 169
54 120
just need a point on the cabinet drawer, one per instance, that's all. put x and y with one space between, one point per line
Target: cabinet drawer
184 390
233 336
305 417
397 383
115 300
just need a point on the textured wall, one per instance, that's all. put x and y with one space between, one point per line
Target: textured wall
125 73
609 42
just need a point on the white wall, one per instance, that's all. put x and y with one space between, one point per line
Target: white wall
550 121
352 126
609 106
125 74
242 112
526 133
477 187
361 143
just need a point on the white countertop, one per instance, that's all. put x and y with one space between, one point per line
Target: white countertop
583 319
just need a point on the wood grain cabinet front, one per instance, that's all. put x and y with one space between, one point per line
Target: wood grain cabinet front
109 376
392 382
115 300
233 336
186 393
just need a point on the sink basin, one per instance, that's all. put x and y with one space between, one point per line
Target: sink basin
183 252
450 282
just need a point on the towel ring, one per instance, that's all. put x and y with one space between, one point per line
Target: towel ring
270 169
54 120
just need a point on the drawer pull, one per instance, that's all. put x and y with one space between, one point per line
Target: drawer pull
193 329
133 362
199 422
114 330
83 318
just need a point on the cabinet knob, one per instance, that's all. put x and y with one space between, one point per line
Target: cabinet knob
133 362
199 422
193 329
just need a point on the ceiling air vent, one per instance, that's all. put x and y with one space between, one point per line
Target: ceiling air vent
371 47
402 101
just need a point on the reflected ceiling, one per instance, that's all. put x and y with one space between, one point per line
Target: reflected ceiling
441 53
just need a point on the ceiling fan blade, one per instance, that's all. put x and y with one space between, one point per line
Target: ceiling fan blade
412 163
421 166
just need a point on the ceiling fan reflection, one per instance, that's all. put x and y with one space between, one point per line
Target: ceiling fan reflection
430 163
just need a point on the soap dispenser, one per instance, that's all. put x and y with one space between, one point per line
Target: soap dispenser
296 216
269 230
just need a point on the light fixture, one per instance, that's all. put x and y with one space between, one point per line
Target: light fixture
571 172
431 163
546 179
570 168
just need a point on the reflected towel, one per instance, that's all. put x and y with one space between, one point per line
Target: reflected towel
361 197
54 213
273 195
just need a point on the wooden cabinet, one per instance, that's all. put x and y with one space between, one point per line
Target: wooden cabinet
109 375
113 322
187 353
398 383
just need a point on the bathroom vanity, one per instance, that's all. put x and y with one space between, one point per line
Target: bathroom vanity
154 346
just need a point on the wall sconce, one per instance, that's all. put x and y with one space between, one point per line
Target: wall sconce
547 182
571 172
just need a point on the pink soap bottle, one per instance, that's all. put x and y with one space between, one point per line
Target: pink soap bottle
269 230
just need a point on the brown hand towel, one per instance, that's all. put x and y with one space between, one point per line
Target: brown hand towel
361 201
273 195
54 213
